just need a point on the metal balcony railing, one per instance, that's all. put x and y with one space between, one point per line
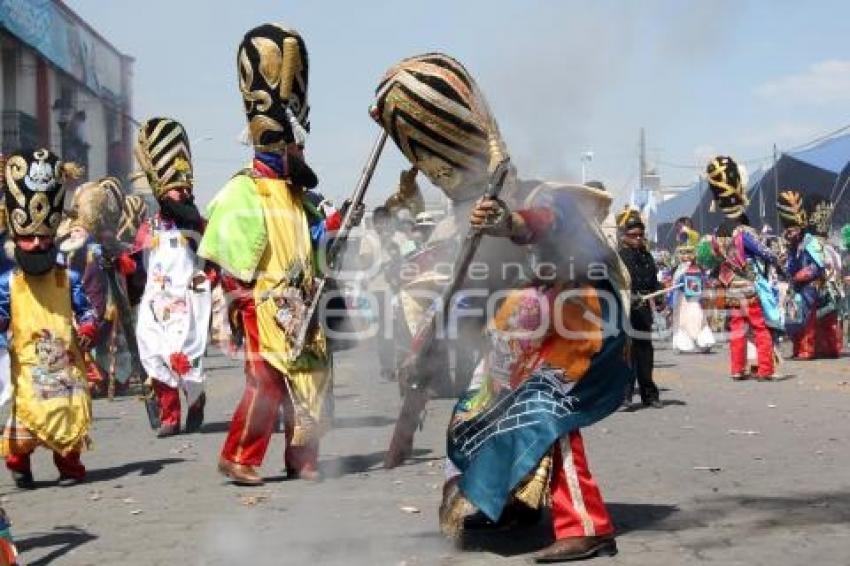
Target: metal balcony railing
19 130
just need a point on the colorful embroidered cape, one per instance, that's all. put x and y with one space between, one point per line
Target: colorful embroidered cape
497 437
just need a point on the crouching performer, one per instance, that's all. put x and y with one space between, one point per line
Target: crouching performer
556 365
556 362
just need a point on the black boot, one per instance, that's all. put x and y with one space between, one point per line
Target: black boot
195 415
23 480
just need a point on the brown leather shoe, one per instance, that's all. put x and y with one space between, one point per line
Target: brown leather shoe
167 430
240 474
577 548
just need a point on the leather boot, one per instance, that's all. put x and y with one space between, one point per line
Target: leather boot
577 548
240 474
195 414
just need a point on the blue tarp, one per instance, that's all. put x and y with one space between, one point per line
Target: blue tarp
831 155
814 170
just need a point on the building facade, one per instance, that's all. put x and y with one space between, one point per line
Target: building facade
65 87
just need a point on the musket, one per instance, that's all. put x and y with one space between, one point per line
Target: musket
667 291
412 371
337 244
126 319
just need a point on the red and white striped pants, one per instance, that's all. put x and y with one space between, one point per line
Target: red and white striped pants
577 506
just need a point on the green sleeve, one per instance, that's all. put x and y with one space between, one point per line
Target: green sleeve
235 236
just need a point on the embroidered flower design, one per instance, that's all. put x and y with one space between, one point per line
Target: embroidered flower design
180 363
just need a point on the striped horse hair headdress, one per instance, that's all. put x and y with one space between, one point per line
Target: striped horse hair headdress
435 113
163 153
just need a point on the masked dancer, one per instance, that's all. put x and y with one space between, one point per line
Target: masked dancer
175 307
264 231
50 322
455 142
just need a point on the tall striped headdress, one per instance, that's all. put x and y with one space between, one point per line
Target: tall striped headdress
435 113
164 155
789 205
727 187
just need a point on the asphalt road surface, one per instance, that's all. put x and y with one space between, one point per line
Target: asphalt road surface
726 473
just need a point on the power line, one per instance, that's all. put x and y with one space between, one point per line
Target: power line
798 147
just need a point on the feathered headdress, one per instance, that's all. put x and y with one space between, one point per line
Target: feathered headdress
820 215
789 204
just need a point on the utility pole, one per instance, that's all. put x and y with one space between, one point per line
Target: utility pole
775 187
642 179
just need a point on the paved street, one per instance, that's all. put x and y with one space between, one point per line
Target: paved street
779 493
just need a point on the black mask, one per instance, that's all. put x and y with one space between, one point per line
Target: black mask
185 214
36 262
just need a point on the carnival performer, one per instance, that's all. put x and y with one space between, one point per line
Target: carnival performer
174 312
50 323
87 240
743 265
588 372
810 306
690 327
417 117
828 342
643 274
260 231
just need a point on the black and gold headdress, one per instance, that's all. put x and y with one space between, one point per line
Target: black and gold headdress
35 192
164 154
272 66
436 115
727 187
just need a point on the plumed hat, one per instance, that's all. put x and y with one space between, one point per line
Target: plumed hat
789 204
628 218
164 155
272 67
433 110
34 184
820 212
727 187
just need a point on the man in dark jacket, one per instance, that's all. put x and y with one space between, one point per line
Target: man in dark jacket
644 276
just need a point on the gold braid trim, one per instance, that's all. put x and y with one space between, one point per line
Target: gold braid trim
290 65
